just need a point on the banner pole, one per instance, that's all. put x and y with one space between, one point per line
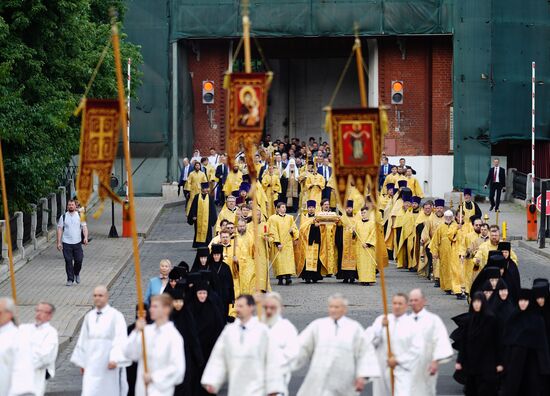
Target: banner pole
132 212
533 132
7 226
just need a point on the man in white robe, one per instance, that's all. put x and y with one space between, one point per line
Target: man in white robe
337 351
437 347
98 351
164 348
245 356
15 355
44 342
406 348
283 332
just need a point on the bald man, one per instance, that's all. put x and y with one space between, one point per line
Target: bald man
437 347
99 350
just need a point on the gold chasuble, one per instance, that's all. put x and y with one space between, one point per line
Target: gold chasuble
307 252
262 260
233 182
226 214
430 227
348 243
419 247
272 187
244 253
193 185
443 245
284 233
314 185
366 250
404 239
261 197
329 254
202 213
202 218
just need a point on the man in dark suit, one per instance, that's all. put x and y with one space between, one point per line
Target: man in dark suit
221 175
325 170
385 170
496 180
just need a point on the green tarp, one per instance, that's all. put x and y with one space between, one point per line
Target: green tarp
287 18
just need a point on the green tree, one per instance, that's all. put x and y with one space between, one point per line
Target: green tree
48 50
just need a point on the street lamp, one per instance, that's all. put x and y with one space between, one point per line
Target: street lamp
113 232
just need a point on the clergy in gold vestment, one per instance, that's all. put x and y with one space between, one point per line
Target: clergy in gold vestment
392 178
244 253
470 208
193 184
314 185
419 255
346 240
229 257
444 247
366 247
285 235
413 184
404 232
262 259
228 212
202 213
387 219
436 218
233 181
482 254
329 253
307 255
357 198
271 183
304 172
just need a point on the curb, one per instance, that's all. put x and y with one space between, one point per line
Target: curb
534 249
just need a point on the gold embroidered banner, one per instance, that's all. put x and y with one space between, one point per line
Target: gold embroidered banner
246 114
356 139
98 146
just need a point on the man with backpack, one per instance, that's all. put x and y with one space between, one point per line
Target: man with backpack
71 234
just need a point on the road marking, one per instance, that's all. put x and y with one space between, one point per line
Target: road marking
172 241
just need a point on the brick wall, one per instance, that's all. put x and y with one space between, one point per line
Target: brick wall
207 60
420 126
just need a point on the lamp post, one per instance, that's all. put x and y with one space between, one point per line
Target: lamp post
113 232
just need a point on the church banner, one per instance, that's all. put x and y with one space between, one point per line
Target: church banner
356 139
246 113
98 146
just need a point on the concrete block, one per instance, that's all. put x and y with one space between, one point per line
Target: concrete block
19 241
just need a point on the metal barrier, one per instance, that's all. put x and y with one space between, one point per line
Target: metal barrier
520 185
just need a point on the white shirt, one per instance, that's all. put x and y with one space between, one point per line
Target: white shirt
165 359
285 336
213 159
44 343
72 228
247 357
15 363
496 174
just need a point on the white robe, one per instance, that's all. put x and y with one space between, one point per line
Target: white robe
406 347
44 342
337 355
101 340
15 363
248 359
285 336
436 347
165 359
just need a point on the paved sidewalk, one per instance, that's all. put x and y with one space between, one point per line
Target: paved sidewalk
43 278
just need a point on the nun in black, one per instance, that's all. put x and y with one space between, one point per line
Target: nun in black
509 270
527 358
175 275
194 360
210 321
503 306
541 295
479 357
203 262
220 269
488 272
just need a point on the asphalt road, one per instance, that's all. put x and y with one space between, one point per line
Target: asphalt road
170 238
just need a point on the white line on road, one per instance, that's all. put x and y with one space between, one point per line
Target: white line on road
172 241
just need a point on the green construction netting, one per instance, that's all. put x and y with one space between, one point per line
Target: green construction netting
287 18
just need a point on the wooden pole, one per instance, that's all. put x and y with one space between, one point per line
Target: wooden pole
131 202
246 39
7 226
379 258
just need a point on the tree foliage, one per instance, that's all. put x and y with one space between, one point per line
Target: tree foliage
48 51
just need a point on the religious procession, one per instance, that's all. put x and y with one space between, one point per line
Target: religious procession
313 198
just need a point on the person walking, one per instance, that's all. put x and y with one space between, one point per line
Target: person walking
496 180
72 233
44 343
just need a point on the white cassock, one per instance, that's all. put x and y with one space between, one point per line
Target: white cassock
101 340
248 358
436 347
285 336
406 347
337 354
165 359
44 342
15 363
